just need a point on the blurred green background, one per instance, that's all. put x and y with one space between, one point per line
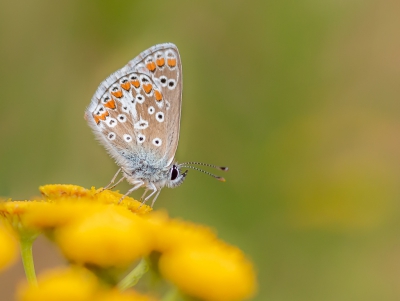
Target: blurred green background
299 98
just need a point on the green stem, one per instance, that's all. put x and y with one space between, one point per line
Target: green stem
27 259
172 295
134 276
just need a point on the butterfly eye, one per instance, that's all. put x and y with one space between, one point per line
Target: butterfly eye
157 141
174 173
160 116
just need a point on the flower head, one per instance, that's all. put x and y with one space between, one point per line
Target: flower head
110 236
13 214
8 249
61 285
169 234
215 272
71 193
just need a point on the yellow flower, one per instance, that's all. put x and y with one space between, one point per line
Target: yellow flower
8 249
112 236
216 272
71 193
54 215
170 234
61 285
56 191
13 214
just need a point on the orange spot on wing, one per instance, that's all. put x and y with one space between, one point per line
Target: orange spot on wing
160 62
151 66
171 62
117 94
135 83
147 88
104 115
126 86
96 118
110 104
158 95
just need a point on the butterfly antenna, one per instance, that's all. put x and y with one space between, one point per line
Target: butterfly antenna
205 164
203 171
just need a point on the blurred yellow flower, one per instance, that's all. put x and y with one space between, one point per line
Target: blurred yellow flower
13 214
53 215
169 234
112 236
92 228
215 272
8 249
61 285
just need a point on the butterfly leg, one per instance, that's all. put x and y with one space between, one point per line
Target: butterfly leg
141 199
110 186
119 181
137 184
154 200
152 187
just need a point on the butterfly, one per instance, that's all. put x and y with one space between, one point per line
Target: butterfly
135 114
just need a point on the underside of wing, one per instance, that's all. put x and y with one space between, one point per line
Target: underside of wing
136 110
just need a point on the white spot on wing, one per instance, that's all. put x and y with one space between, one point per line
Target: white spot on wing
160 116
121 118
171 84
111 136
163 80
141 124
157 141
111 122
141 138
140 98
127 138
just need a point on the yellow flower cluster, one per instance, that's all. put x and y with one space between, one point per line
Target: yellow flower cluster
74 284
8 249
104 237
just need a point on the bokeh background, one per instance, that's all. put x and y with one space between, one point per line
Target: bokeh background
299 98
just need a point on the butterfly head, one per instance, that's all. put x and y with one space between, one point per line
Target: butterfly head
176 176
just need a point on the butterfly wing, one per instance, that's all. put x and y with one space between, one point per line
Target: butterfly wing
135 112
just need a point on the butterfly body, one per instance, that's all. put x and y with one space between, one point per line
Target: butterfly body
135 113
